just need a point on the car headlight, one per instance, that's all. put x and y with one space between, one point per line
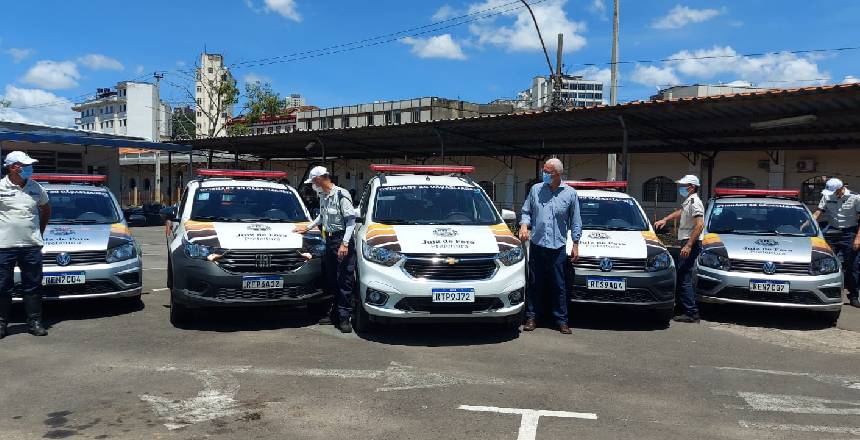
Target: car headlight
714 261
380 255
314 245
511 256
824 266
661 261
122 252
201 252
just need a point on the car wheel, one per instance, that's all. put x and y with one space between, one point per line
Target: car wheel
361 319
830 318
169 274
663 318
179 314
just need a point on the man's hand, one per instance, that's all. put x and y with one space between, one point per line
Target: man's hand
574 253
524 233
342 251
660 224
301 229
857 243
686 250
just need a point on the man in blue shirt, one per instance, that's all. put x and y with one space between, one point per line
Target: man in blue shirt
549 212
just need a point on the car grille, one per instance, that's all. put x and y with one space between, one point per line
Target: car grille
288 292
437 268
793 297
618 264
426 304
90 288
757 267
78 258
262 261
581 293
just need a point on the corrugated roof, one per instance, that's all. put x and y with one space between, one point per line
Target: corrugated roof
42 134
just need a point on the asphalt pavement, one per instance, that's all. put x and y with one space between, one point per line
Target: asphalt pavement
119 370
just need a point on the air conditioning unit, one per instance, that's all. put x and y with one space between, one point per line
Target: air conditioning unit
805 165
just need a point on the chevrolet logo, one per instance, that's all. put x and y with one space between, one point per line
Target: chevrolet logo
452 261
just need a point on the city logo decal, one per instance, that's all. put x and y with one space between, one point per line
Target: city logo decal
445 232
598 235
259 227
62 230
769 242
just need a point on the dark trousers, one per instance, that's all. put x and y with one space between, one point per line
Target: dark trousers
850 262
546 280
339 274
29 260
686 293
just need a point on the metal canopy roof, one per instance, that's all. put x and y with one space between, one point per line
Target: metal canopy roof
40 134
809 118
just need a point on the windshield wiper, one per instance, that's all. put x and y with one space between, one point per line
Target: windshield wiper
79 222
397 221
268 220
214 218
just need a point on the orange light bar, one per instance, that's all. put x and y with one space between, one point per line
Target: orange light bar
423 169
70 178
247 174
785 193
590 184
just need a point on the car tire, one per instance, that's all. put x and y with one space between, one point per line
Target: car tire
830 318
180 315
169 274
663 318
361 321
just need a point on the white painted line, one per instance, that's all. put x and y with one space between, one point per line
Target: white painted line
154 268
529 418
799 404
159 290
216 399
801 428
850 382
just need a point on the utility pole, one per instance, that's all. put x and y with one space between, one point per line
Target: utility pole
157 138
545 53
557 85
612 160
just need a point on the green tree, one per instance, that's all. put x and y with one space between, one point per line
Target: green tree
5 103
261 100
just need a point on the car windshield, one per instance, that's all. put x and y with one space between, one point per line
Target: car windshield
433 205
247 204
82 207
762 219
611 214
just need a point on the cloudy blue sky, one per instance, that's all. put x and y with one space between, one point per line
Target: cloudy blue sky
340 52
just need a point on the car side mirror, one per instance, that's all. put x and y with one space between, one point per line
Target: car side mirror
508 215
136 221
168 213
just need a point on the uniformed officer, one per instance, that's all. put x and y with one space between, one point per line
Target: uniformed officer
691 216
842 208
24 214
337 217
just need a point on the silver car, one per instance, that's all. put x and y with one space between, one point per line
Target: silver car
763 248
89 251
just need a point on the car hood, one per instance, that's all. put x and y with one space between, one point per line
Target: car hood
72 238
440 239
617 244
766 248
244 235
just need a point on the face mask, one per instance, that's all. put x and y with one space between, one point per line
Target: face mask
317 188
684 191
547 178
26 172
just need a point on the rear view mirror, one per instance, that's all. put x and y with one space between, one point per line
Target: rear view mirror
508 215
136 221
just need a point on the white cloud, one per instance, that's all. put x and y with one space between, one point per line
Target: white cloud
598 7
520 35
771 70
251 78
681 16
655 76
53 75
285 8
138 70
597 74
18 55
41 107
97 61
439 46
180 63
850 79
444 13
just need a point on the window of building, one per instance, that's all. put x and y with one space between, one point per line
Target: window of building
810 189
736 182
370 119
660 189
146 184
259 130
198 126
270 129
199 101
199 89
132 184
209 70
388 118
416 115
345 122
277 129
398 119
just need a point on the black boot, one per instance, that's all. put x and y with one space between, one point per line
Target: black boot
33 308
5 309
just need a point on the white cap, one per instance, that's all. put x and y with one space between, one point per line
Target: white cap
832 186
689 179
18 157
316 172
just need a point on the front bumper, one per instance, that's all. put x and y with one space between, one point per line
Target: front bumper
108 280
411 298
647 290
810 292
200 283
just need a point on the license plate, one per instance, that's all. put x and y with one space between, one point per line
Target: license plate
604 283
262 283
64 278
453 295
769 286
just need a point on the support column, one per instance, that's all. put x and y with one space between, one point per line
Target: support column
776 171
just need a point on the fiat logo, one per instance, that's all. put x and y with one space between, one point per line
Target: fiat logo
769 268
444 232
63 258
263 261
605 264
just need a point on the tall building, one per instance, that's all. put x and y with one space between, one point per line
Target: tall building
575 92
295 100
211 112
132 108
702 90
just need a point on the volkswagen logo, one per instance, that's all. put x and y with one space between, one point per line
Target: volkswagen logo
445 232
263 261
63 259
606 264
766 242
598 235
259 227
769 268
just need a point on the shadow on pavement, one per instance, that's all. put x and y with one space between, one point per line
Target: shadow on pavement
765 317
54 312
237 319
596 317
441 334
